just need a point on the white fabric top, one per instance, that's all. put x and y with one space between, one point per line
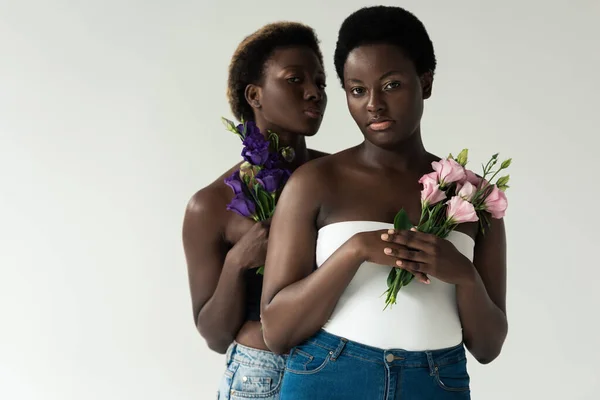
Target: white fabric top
425 317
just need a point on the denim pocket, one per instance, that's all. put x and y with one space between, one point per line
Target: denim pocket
252 382
453 377
307 359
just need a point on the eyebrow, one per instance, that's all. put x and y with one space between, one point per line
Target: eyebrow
392 72
389 73
296 66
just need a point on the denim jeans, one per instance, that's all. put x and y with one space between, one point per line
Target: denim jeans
330 367
251 374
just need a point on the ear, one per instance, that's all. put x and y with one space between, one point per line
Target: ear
427 84
253 94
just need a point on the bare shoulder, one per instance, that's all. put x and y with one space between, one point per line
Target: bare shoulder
207 207
315 174
315 154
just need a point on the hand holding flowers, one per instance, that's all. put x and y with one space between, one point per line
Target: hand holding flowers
258 183
451 195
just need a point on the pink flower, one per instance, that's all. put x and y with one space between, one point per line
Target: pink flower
431 193
472 178
466 191
496 203
448 171
460 210
432 176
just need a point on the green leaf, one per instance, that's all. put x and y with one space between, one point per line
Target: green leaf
401 221
391 277
230 126
266 201
261 211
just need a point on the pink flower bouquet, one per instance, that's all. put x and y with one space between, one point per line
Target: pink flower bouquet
452 195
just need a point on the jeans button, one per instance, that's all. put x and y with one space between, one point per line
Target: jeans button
389 358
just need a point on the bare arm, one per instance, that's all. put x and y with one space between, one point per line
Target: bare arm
482 301
296 301
215 275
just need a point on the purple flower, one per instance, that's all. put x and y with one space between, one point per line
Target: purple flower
273 160
235 182
242 205
256 147
256 156
251 129
272 179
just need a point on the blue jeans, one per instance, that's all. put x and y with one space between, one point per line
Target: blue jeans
251 374
330 367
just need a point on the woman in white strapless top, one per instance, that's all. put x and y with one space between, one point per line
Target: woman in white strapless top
329 243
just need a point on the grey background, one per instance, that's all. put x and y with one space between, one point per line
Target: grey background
110 120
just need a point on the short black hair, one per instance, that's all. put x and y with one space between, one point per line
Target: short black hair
385 24
249 60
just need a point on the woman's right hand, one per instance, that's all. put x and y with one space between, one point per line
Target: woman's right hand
371 247
251 250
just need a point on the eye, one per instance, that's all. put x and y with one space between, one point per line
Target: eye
357 90
392 85
322 85
293 79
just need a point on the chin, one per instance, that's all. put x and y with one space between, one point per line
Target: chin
386 139
308 130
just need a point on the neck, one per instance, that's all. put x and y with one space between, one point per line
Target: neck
409 155
295 141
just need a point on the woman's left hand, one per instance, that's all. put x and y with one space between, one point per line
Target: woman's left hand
430 255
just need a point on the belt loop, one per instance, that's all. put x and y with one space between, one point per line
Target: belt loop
432 367
229 353
335 354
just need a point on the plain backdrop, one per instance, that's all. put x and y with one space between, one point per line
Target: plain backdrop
110 120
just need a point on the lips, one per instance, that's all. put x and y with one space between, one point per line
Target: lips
380 124
313 112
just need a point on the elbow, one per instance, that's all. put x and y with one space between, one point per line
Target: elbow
218 342
490 351
273 336
485 359
218 346
485 354
215 342
276 346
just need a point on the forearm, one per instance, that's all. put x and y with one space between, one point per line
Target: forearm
222 315
485 325
299 310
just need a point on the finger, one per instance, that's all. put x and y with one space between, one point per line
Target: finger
410 239
406 254
413 267
421 277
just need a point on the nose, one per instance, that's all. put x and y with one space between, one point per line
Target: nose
312 92
376 103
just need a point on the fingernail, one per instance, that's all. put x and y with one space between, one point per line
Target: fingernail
399 263
427 281
390 231
413 229
387 250
385 236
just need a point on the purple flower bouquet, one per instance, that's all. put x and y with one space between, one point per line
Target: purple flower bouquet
260 179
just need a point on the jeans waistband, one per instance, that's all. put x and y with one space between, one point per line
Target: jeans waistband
254 357
337 346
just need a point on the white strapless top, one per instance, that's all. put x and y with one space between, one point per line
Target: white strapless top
425 317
